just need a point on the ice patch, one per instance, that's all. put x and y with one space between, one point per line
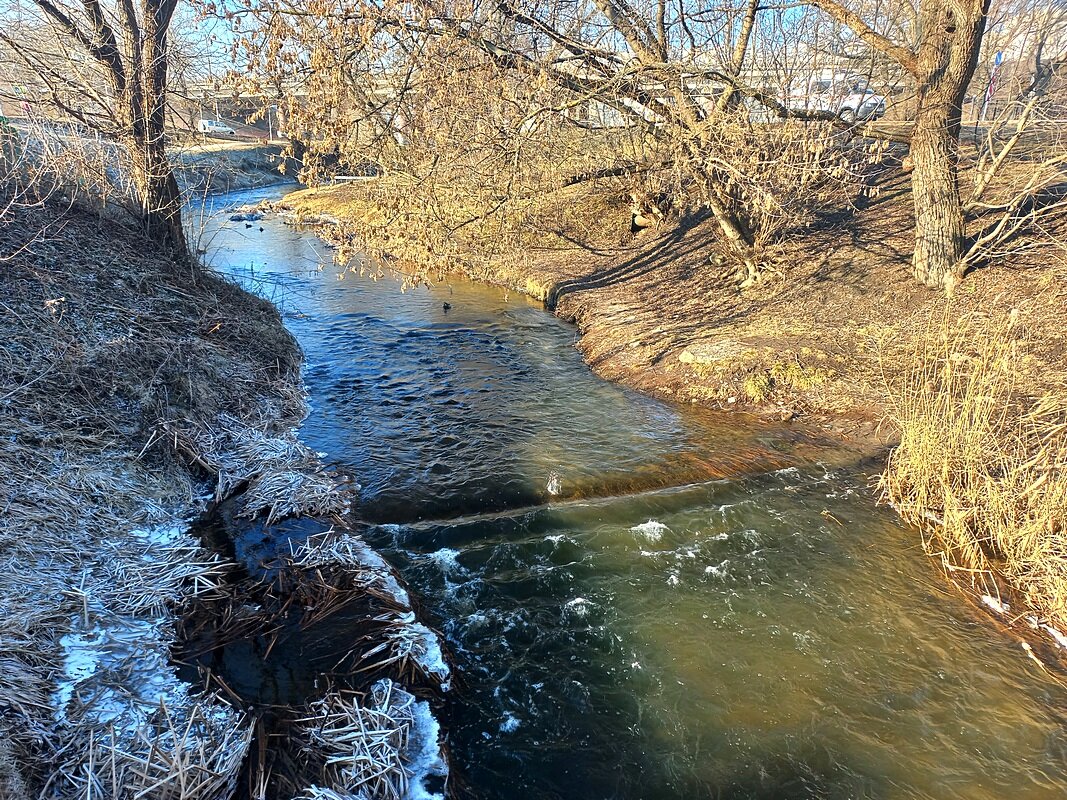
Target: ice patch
995 604
389 734
1061 640
651 531
408 639
165 535
673 579
423 756
118 673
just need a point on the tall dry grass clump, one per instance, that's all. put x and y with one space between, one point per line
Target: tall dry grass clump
981 469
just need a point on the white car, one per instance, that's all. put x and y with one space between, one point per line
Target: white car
847 96
214 127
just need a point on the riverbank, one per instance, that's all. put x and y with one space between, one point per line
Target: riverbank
839 335
823 338
138 392
214 166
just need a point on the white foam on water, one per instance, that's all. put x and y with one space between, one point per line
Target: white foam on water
445 558
751 536
718 570
651 531
579 606
555 484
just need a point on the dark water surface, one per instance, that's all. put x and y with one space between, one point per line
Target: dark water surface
643 601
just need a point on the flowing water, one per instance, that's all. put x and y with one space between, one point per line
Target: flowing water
643 601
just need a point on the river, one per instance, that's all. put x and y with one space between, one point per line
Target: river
642 600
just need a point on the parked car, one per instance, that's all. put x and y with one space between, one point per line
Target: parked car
215 128
847 96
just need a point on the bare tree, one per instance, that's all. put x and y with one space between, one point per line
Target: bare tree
105 67
496 102
938 47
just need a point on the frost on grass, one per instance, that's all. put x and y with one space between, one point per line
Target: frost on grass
284 477
348 551
124 724
411 648
382 745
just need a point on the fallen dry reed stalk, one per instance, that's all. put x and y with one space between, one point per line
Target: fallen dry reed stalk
282 476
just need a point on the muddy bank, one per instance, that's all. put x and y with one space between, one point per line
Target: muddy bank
138 392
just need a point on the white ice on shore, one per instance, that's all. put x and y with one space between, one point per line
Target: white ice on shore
423 756
400 730
995 604
116 677
1056 634
422 646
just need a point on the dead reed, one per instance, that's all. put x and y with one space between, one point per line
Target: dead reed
982 470
370 746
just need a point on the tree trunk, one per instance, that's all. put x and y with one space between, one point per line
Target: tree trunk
939 226
947 57
160 198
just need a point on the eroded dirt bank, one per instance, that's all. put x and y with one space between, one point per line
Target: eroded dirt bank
222 166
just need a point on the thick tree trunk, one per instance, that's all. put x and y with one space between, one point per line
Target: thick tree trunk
939 226
945 64
160 198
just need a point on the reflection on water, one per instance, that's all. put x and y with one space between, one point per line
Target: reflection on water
770 635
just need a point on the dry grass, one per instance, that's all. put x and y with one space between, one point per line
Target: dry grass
980 468
392 222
